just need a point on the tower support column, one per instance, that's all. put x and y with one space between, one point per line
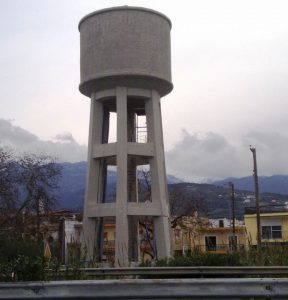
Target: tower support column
93 185
122 234
158 176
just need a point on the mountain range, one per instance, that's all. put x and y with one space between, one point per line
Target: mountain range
272 184
215 196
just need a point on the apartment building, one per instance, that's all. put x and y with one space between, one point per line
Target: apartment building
273 223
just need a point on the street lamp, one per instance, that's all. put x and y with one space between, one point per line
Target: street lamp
255 173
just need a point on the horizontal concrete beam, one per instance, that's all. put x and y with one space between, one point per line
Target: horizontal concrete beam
142 149
107 150
133 209
101 210
104 150
144 209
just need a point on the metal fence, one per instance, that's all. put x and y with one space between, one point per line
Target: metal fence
137 289
220 248
163 283
178 272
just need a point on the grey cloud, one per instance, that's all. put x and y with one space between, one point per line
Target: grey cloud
64 148
65 137
15 135
213 143
210 156
199 157
271 141
271 149
209 142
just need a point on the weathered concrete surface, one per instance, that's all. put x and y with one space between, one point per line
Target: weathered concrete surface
125 46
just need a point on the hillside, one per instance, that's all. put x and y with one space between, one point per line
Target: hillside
214 199
273 184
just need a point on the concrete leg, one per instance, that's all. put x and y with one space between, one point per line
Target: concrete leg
122 236
159 189
122 241
162 237
93 180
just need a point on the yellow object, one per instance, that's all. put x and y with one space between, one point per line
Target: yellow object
47 252
274 226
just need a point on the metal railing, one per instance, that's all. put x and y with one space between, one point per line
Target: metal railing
179 272
173 289
218 248
223 248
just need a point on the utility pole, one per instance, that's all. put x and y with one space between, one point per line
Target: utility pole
233 215
257 201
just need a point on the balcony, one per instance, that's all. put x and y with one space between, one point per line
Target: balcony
220 248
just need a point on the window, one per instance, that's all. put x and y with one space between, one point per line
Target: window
272 232
210 243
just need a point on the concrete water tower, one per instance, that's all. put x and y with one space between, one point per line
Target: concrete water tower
125 70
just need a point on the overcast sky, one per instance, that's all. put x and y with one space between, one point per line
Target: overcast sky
229 69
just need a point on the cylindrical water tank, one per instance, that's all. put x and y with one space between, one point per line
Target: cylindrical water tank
125 46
